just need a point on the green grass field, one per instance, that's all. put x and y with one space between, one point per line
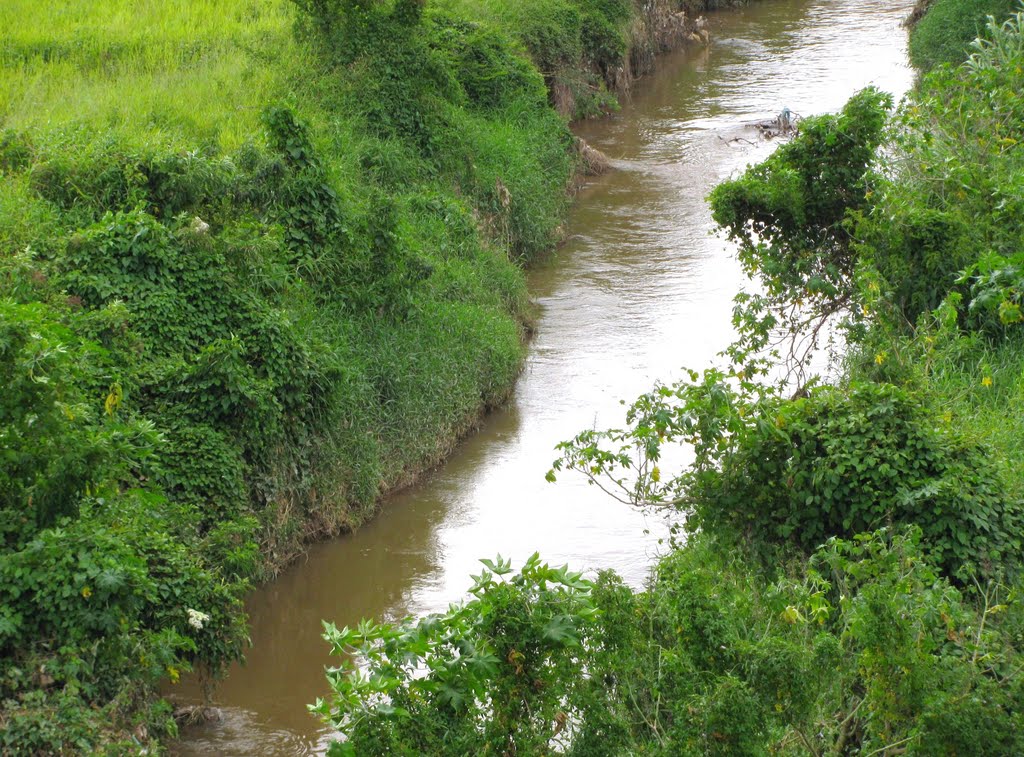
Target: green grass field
176 73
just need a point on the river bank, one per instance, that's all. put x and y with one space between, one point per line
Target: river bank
253 279
639 288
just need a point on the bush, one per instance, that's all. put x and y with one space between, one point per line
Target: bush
860 648
497 669
839 463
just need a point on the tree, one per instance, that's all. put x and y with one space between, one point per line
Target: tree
790 216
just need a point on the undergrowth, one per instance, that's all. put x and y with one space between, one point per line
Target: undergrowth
845 577
261 261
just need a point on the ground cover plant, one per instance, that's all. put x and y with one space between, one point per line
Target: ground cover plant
846 576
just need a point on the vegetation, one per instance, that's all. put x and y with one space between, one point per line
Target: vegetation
942 30
862 647
846 577
261 261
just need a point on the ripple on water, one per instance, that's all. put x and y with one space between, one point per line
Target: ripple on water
241 733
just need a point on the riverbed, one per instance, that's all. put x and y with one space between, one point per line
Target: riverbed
642 287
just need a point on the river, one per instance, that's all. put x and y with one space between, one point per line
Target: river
641 288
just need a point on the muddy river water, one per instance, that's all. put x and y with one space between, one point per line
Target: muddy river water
642 288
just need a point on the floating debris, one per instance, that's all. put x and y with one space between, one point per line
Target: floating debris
786 124
783 125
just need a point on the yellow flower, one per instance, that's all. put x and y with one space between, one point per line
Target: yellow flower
987 381
656 474
86 592
879 358
173 674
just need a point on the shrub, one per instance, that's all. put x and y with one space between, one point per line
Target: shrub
497 669
862 647
838 463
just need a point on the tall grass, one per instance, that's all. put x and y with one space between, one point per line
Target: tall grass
163 71
946 31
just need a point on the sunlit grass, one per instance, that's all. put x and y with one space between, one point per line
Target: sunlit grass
981 386
157 71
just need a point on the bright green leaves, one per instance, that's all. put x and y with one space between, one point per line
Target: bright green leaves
949 219
488 674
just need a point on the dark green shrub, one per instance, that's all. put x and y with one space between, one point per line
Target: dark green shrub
171 279
200 468
551 31
839 463
15 151
485 64
55 441
920 254
603 32
948 219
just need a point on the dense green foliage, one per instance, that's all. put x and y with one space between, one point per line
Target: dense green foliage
944 33
578 45
861 648
849 581
260 263
101 596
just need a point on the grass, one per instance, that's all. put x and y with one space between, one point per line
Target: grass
170 72
946 31
980 384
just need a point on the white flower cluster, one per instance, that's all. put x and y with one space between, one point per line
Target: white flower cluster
196 618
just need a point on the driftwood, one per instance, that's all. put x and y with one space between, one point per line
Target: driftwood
783 125
196 714
786 124
592 161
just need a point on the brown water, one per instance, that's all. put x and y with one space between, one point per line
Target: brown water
641 288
